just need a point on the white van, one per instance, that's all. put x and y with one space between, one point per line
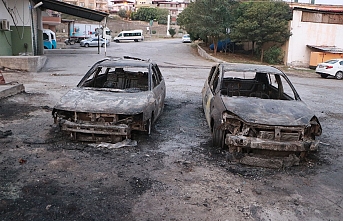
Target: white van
135 35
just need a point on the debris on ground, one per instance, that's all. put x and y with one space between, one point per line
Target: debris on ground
6 133
124 143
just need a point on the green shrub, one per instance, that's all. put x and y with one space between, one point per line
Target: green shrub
172 32
273 55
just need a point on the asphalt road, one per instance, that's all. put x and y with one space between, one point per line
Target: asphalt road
174 174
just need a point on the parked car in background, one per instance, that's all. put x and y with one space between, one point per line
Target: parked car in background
333 67
93 42
186 38
255 111
134 35
49 39
114 98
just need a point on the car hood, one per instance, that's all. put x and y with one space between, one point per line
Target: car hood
95 101
269 112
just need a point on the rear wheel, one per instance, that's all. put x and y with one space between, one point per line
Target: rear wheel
324 75
218 138
339 75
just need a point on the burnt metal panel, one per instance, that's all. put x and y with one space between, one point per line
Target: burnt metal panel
268 111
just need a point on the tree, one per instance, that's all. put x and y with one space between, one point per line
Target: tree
123 13
147 14
207 19
261 22
172 32
162 15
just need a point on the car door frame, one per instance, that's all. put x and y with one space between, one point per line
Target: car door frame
208 93
159 90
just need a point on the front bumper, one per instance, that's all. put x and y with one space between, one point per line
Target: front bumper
273 145
96 132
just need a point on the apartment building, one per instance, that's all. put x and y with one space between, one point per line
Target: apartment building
98 5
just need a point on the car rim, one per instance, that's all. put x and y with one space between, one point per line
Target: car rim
339 75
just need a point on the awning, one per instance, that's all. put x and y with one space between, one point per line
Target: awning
330 49
72 10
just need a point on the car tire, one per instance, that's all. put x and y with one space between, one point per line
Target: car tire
103 45
86 45
339 75
218 138
324 75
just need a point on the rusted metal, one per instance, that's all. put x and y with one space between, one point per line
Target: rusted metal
114 98
249 111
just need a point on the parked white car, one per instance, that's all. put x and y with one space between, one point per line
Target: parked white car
333 67
186 38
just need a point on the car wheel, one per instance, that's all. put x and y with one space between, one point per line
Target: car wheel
86 45
103 45
339 75
324 75
218 138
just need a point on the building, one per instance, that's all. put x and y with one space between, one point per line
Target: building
98 5
315 29
317 2
21 29
116 5
174 8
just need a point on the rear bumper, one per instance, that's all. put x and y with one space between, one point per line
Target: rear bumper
262 144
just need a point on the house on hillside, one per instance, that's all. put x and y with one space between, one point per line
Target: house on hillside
174 8
116 5
317 33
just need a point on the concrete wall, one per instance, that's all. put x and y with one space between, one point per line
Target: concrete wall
6 43
308 33
24 63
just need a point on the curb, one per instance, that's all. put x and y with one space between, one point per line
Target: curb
10 90
204 54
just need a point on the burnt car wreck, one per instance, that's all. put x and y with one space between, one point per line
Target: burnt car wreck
114 98
256 112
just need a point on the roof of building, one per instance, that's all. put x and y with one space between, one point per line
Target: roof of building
72 10
330 49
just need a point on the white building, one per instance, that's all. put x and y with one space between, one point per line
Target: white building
313 28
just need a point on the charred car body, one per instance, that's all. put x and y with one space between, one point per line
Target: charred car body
256 111
114 98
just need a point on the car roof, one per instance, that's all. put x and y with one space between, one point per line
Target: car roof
250 68
126 62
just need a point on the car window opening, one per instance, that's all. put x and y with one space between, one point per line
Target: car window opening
117 78
258 85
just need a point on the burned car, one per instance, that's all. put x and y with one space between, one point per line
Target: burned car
114 98
255 110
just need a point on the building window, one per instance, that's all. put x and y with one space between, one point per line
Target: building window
82 4
317 17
